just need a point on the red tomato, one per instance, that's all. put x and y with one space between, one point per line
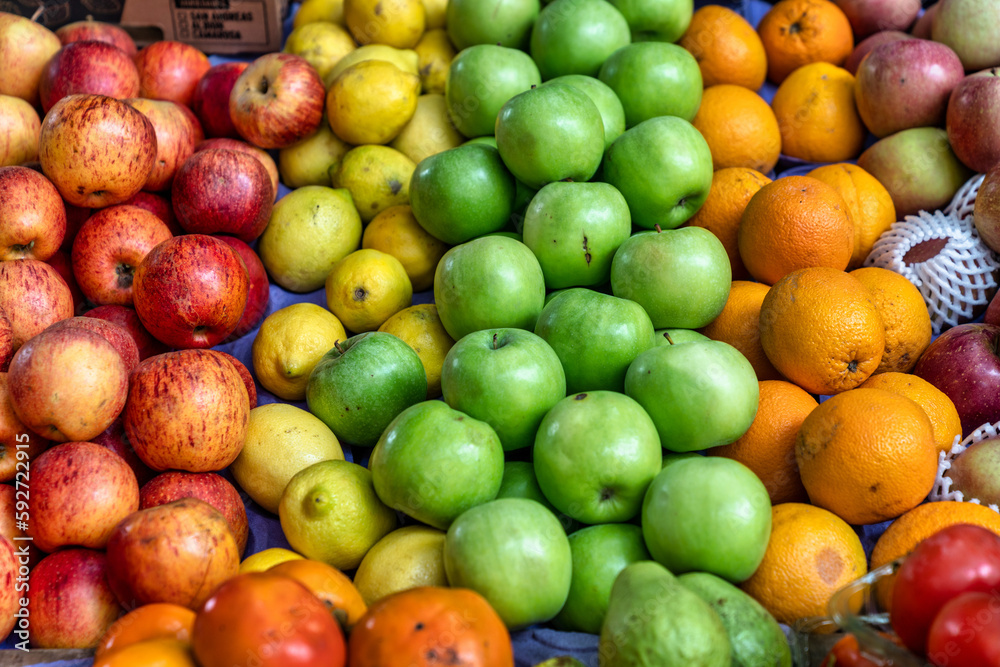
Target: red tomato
958 559
847 653
966 632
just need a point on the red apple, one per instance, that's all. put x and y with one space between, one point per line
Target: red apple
25 47
114 438
178 553
67 384
6 340
986 217
922 28
177 133
60 261
98 151
79 31
244 375
259 294
10 530
115 334
973 120
129 319
89 67
212 488
15 437
158 204
277 101
71 604
11 568
869 43
211 99
19 141
75 217
187 410
223 191
33 296
240 145
872 16
79 493
109 248
170 70
32 215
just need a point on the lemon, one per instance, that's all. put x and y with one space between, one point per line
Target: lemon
366 288
321 43
405 59
429 132
376 176
436 11
310 229
309 161
434 53
420 327
281 440
406 558
289 343
330 512
395 231
319 10
264 560
398 23
370 102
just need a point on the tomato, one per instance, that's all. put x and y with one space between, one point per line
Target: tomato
958 559
847 653
160 620
966 632
151 653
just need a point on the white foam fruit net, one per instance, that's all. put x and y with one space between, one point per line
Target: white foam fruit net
961 278
942 484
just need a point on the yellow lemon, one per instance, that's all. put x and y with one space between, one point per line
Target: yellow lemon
376 176
330 512
309 161
370 102
289 343
420 327
321 43
398 23
397 232
319 10
406 558
435 54
429 132
281 440
266 559
366 288
436 11
405 59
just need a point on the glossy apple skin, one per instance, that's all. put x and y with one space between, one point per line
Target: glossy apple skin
869 17
986 217
211 99
191 291
158 204
240 145
973 120
25 47
277 101
166 418
865 46
32 215
177 133
114 438
33 295
245 375
129 319
91 67
108 249
13 432
19 143
98 151
223 191
71 604
6 340
79 31
963 363
79 492
207 486
9 599
115 334
9 529
170 70
259 294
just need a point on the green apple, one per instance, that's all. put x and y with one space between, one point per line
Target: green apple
595 454
488 282
654 79
612 112
462 193
673 457
577 36
681 277
700 394
519 481
707 514
360 385
509 378
663 167
599 554
514 553
678 336
596 337
550 133
480 80
504 22
432 463
656 20
574 229
523 193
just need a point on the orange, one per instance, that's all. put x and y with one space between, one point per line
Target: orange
731 189
160 620
768 446
904 314
816 114
726 46
811 554
945 422
739 325
330 585
793 223
799 32
740 128
869 205
867 455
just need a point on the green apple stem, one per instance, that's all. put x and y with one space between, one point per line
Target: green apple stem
336 345
669 339
657 227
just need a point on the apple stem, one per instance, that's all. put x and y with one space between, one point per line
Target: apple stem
494 341
657 227
669 339
336 344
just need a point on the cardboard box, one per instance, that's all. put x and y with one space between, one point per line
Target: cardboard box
214 26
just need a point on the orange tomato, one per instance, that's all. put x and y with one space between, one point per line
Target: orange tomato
160 620
334 588
153 653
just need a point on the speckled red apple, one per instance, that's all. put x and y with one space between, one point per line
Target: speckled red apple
32 215
33 295
212 488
